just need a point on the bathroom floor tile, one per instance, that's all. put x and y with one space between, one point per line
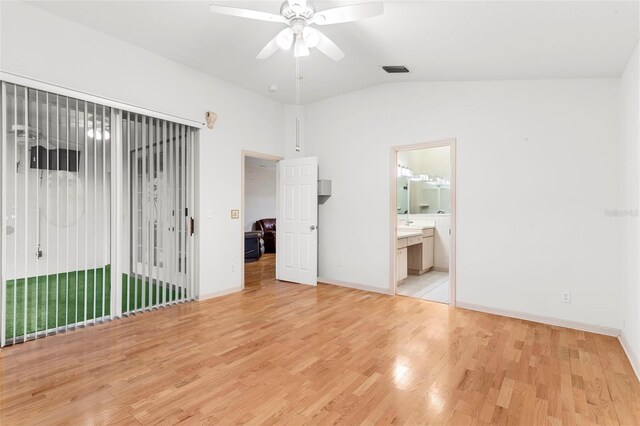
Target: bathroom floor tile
433 285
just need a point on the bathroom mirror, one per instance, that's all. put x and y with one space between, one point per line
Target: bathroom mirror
402 194
424 181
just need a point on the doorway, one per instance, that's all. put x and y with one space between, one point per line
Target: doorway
423 217
258 215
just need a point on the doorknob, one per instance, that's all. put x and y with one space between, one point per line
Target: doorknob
312 227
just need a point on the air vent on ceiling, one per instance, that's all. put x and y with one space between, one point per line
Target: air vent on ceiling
393 69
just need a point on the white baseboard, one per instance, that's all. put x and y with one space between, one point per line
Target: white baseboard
219 293
598 329
633 357
354 285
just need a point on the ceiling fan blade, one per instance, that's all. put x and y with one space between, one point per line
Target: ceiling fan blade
354 12
329 48
247 13
278 42
300 48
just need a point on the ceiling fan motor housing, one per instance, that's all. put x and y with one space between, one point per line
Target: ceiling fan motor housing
297 10
297 25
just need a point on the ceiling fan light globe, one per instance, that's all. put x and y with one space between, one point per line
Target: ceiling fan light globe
311 37
285 40
300 49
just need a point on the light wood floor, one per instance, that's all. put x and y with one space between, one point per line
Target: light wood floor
287 353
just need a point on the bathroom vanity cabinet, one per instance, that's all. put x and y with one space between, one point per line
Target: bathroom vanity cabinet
414 253
401 262
420 257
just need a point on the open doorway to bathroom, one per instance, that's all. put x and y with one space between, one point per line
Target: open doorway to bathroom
423 221
259 222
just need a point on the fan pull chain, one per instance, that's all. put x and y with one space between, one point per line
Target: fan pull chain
297 104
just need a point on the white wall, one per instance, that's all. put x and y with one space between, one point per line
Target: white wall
259 194
62 52
72 231
537 167
630 163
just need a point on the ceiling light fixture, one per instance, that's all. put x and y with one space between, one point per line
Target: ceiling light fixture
284 39
311 37
98 134
298 15
301 48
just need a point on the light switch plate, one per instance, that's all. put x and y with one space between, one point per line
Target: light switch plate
235 214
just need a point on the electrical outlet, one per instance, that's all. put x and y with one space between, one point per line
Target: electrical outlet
233 267
565 297
209 214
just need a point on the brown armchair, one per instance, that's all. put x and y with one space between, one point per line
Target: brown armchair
268 227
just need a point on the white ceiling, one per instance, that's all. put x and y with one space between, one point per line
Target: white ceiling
450 40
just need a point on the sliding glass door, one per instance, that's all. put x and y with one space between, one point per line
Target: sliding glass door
97 213
158 158
55 213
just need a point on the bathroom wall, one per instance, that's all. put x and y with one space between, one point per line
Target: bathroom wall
433 161
425 197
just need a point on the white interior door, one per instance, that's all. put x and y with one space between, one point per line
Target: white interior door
297 240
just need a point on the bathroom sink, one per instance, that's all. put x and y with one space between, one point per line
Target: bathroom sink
404 227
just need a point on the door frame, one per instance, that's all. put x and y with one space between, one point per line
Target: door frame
243 155
393 241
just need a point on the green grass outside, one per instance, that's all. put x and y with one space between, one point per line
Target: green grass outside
152 293
71 305
71 287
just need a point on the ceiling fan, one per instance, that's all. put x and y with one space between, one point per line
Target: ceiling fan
299 15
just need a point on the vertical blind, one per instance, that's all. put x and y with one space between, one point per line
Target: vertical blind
61 182
158 182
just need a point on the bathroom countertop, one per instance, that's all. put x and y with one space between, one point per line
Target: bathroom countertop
408 228
406 233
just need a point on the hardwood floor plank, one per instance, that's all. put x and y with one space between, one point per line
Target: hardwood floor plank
281 353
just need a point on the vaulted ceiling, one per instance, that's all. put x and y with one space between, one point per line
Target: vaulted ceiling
448 40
